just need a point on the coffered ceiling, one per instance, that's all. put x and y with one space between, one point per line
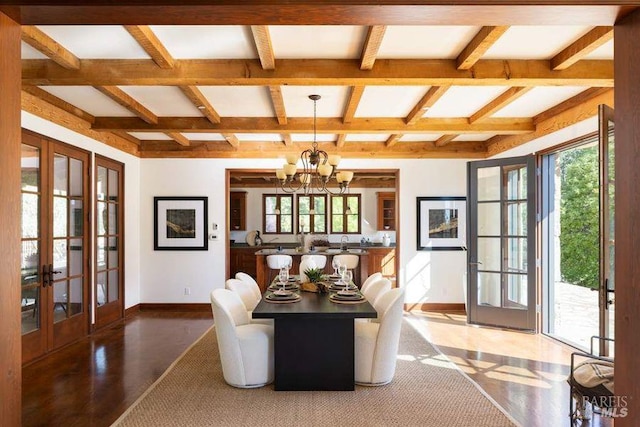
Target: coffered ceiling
388 91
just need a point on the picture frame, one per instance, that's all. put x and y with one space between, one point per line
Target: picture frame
442 223
180 224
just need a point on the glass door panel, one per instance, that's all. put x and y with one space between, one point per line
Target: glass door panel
501 275
108 301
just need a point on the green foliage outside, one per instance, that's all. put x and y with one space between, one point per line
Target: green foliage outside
579 223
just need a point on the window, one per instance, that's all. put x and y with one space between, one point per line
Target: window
315 222
278 213
345 214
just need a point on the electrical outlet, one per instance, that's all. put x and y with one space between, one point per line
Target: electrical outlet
187 291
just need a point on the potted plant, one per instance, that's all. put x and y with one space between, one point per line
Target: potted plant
314 275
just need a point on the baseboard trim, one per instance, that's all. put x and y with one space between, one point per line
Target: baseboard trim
435 306
199 307
131 311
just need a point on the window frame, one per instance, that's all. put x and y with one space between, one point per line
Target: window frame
279 216
312 217
344 215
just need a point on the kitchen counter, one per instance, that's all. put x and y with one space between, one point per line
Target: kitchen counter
264 273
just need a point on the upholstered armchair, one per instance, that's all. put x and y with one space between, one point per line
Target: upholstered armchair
376 343
246 349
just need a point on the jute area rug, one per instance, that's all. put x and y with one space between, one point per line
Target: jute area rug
427 390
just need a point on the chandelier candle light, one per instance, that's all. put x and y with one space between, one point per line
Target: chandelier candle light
318 167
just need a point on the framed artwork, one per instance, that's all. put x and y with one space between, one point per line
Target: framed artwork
180 224
442 223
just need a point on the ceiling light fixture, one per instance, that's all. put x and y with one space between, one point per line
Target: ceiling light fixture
318 167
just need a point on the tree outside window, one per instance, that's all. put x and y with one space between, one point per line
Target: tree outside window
278 214
315 222
345 214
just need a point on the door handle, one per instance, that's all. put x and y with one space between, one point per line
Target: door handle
45 275
475 263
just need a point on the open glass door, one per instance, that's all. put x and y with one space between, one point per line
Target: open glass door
607 225
501 252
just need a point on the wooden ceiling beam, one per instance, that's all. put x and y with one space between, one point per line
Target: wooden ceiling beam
201 102
323 72
278 104
460 125
477 47
36 106
128 102
572 102
498 103
318 12
393 139
371 46
147 39
354 150
57 102
352 103
231 139
179 138
578 108
341 140
581 48
428 100
445 140
40 41
125 135
262 39
286 139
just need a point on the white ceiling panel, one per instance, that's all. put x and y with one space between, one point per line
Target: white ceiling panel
96 41
413 137
538 100
353 137
89 99
241 101
463 101
534 42
308 137
389 101
207 41
27 52
195 136
151 136
317 41
603 52
273 137
163 100
429 42
298 104
473 137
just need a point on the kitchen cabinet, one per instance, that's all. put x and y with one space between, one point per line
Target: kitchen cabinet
386 211
237 210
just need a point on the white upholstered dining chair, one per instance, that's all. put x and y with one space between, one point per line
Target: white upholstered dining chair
374 277
246 349
376 344
375 289
250 295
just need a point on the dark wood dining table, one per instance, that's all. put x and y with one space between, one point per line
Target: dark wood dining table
314 341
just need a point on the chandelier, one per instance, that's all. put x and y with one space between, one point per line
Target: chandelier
318 168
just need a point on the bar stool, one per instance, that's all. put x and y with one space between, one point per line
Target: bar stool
320 260
351 262
276 262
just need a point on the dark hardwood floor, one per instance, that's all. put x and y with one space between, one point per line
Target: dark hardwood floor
92 382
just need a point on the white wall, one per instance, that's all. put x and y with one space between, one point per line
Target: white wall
430 277
131 190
